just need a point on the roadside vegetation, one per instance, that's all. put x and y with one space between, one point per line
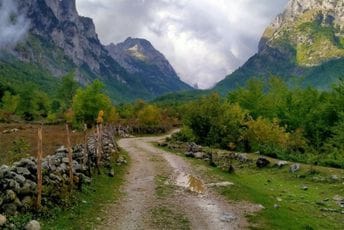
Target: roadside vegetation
75 104
24 107
81 209
309 198
298 124
86 210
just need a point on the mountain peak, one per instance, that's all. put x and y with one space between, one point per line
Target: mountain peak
313 29
140 50
139 57
307 40
59 40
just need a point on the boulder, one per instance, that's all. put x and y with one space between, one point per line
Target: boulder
23 171
334 178
220 184
28 188
112 173
294 168
63 168
338 198
18 203
27 202
193 147
189 154
262 162
20 179
3 220
62 149
231 169
199 155
242 158
65 160
14 185
33 225
86 179
304 187
10 209
29 164
121 160
10 195
4 169
280 164
227 217
55 177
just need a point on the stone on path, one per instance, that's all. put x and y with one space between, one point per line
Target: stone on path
294 168
262 162
33 225
3 220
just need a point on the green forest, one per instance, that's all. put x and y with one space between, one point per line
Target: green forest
297 124
77 105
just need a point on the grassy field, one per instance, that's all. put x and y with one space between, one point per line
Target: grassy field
303 200
23 143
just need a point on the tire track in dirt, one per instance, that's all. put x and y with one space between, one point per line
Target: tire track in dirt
205 210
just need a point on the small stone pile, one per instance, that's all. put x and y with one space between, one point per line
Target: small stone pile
18 183
194 151
126 131
122 131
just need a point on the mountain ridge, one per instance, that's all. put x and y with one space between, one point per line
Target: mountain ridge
139 57
305 42
59 41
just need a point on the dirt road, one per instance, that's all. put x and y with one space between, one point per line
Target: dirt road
162 191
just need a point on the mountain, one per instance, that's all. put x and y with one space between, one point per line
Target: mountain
58 41
141 59
304 44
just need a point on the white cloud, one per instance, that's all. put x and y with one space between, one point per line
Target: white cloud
203 39
13 26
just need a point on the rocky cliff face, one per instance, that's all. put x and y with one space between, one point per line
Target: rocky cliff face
58 23
306 40
313 29
60 41
139 57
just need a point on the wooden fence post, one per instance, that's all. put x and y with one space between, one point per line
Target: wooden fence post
97 149
87 156
39 168
99 137
86 146
70 158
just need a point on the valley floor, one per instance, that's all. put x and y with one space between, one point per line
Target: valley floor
162 191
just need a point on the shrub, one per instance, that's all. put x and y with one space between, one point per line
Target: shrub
89 101
269 138
185 135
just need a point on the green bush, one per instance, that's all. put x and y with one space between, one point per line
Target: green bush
184 135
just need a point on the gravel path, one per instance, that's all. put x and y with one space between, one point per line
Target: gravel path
190 196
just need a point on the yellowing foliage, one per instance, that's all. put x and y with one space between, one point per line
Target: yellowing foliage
269 137
100 117
149 115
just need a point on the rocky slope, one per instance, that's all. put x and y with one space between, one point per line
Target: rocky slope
139 57
59 41
306 40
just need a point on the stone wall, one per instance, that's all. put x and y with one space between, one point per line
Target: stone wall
129 130
18 182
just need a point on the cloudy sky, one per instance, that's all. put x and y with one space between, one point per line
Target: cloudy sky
204 40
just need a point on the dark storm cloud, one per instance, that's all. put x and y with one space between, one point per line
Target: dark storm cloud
203 39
